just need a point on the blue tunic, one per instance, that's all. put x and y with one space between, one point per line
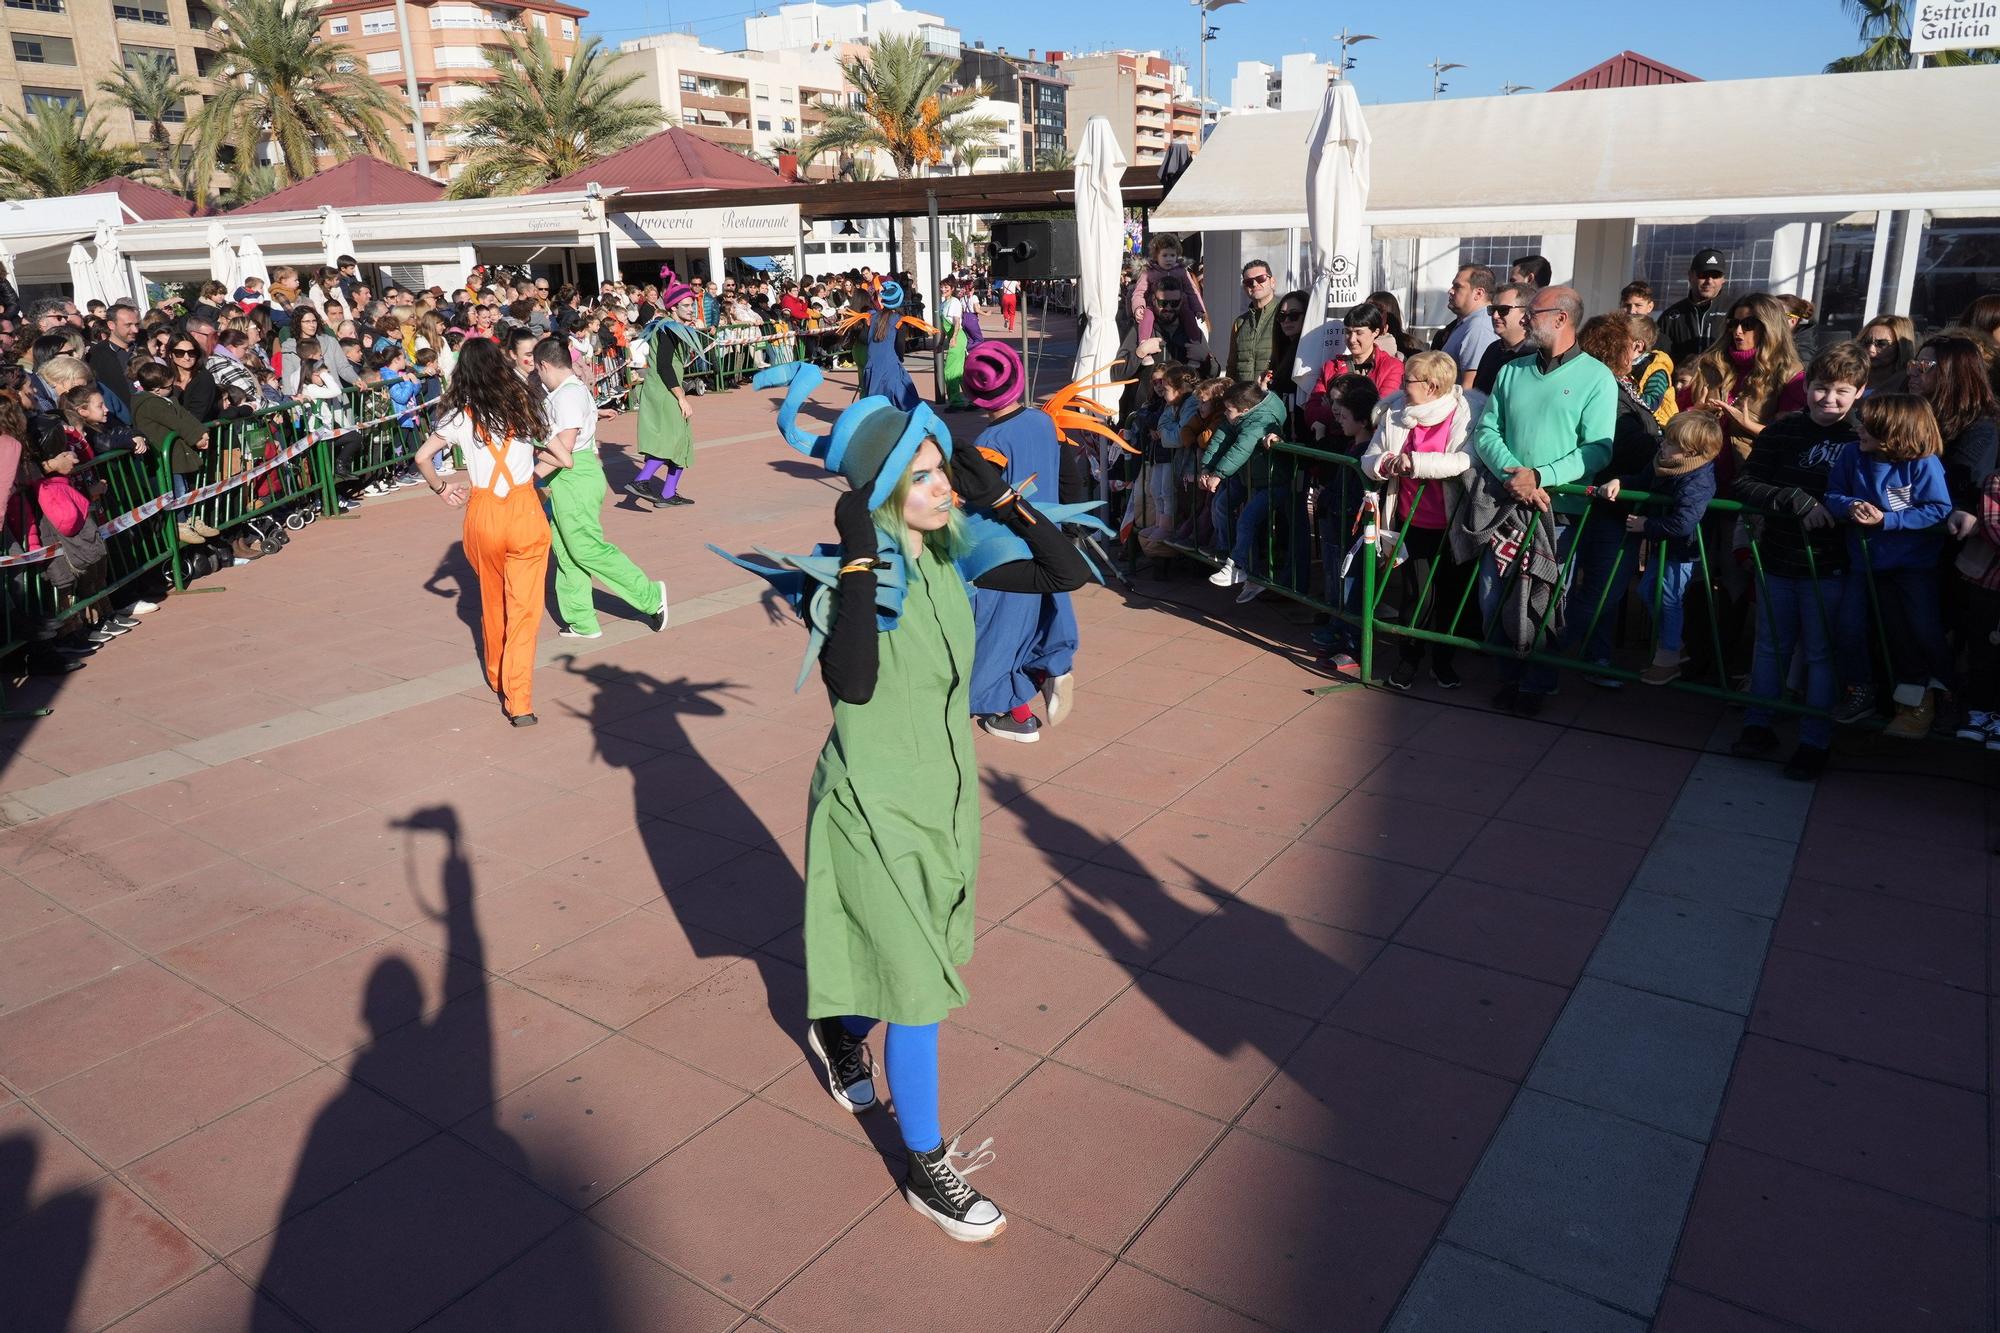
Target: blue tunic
1016 633
884 374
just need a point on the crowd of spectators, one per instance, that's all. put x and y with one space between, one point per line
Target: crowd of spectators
1539 475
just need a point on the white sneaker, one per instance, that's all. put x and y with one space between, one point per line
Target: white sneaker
1058 696
567 633
1250 593
142 607
1228 576
1977 726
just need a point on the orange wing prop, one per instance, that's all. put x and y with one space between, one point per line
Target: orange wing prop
1071 410
851 319
916 323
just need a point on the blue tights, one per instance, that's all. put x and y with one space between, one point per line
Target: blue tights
912 1056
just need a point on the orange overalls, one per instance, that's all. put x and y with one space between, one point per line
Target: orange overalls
507 544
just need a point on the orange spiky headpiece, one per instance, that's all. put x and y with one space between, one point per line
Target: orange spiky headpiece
1071 410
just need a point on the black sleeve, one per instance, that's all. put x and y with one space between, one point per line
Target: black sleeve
663 364
852 651
111 377
1054 563
199 397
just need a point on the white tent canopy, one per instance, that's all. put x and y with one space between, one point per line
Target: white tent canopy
1812 144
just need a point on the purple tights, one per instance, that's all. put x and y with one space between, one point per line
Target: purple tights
671 484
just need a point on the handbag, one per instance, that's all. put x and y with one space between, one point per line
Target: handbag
75 555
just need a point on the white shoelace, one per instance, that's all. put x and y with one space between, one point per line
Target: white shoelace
954 1185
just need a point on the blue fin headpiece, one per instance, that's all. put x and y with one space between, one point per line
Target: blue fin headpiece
806 582
891 295
872 443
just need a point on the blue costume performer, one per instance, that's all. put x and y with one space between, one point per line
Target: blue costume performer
882 374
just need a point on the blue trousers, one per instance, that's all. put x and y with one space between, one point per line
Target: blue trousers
1016 634
911 1054
1797 617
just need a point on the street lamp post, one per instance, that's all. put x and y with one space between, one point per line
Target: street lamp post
1437 68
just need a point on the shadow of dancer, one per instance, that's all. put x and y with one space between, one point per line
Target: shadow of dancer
387 1253
44 1248
733 890
453 566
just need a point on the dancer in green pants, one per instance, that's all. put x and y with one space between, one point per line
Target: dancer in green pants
951 324
576 493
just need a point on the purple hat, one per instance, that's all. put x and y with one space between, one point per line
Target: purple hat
993 376
672 290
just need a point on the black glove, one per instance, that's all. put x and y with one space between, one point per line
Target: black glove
979 482
855 522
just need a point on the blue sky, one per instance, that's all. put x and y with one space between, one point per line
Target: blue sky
1537 44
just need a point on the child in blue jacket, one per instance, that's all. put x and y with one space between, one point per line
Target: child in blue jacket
1889 484
1683 476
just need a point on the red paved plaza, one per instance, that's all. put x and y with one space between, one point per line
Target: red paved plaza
327 1001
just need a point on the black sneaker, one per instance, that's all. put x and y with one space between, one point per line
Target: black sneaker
1446 675
1006 728
1404 676
1754 743
658 620
849 1068
521 719
677 500
1857 704
1806 764
937 1189
101 636
639 492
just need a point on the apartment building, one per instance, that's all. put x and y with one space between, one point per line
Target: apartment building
1036 90
816 27
746 100
57 51
444 47
1143 94
1297 83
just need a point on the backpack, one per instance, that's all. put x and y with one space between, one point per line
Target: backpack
74 556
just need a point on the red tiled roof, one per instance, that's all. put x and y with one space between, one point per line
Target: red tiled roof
147 203
1627 69
673 159
357 181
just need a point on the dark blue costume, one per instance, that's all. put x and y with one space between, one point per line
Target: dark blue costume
884 376
1017 632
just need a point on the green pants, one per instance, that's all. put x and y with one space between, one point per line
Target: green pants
575 495
954 368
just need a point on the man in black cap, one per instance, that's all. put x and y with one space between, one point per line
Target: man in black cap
1691 325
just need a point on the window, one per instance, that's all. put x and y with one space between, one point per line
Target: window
763 122
689 84
458 57
791 126
337 27
456 16
67 99
385 62
541 22
1661 253
39 50
380 21
1496 252
787 95
763 92
134 56
39 6
139 14
457 94
569 30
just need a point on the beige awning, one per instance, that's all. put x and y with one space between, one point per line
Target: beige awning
1824 143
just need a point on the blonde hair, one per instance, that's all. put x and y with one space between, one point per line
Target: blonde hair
1432 368
946 543
1776 364
1695 434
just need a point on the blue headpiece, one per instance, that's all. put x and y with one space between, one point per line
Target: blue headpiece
871 444
891 295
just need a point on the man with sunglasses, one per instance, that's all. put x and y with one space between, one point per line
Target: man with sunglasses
1509 312
1254 333
1691 325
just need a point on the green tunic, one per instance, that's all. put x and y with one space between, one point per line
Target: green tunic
892 840
663 432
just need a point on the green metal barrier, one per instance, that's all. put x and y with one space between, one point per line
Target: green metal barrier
1361 591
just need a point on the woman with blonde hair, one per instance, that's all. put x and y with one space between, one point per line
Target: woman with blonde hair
1752 375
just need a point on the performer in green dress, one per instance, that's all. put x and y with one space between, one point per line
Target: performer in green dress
951 326
666 430
892 840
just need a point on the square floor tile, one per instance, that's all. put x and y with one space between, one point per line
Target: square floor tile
193 905
1410 832
1654 1059
1575 867
621 970
1013 874
424 1229
1133 918
748 900
899 1268
1203 852
1258 796
83 1259
1457 1289
744 1025
641 864
1130 1298
1290 964
133 1103
235 1179
1686 949
1867 1014
583 1277
1336 1247
1194 1046
259 952
1915 939
1069 824
1571 805
1389 1111
327 1009
1581 1198
596 1120
214 1299
1538 937
1472 1016
1688 1311
1130 773
1339 888
1901 1133
1820 1252
733 1209
60 955
22 909
1486 737
1477 786
1031 993
1945 874
93 1022
39 1163
1615 761
1122 1153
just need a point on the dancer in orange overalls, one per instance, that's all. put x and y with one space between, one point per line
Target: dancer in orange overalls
488 413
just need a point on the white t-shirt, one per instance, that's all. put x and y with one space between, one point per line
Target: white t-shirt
520 454
570 406
953 311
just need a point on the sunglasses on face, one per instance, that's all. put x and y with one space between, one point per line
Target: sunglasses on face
1923 365
1744 325
1878 342
1502 311
184 351
1257 281
1292 314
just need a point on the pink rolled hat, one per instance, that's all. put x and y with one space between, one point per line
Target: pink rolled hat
672 290
993 375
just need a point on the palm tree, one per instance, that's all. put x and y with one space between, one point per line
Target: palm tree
281 84
1055 159
54 151
253 181
153 89
541 120
1885 37
908 112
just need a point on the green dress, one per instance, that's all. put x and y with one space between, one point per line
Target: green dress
892 839
663 432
